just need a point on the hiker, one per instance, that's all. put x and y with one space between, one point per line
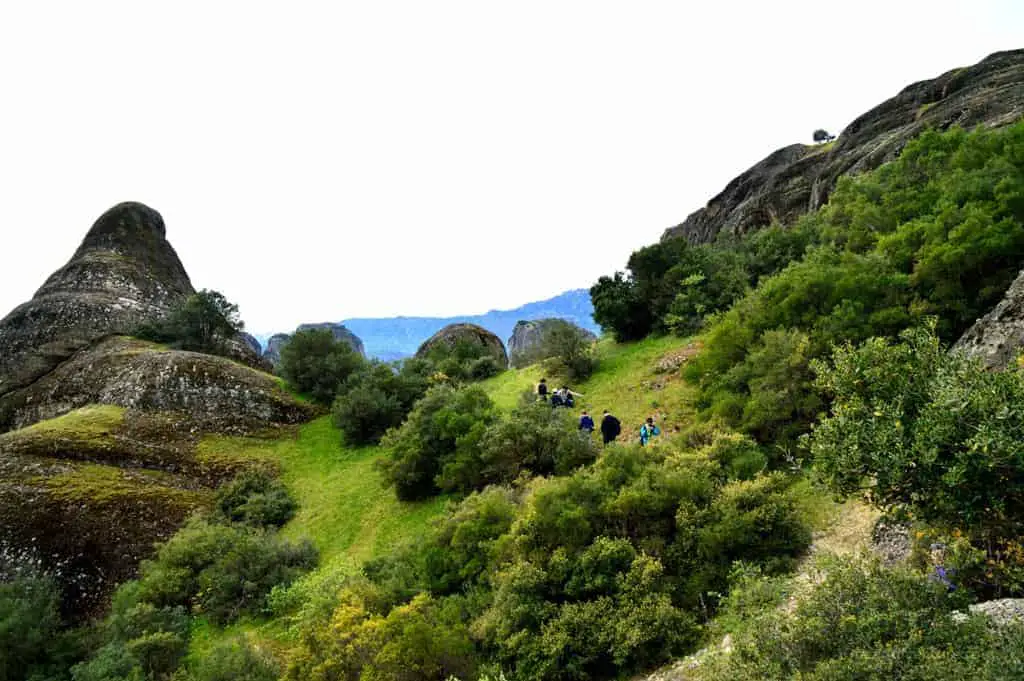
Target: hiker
542 390
586 423
648 430
556 399
610 427
568 396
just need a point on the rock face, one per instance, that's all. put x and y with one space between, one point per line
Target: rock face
100 434
798 179
469 333
274 344
252 343
125 272
997 337
524 343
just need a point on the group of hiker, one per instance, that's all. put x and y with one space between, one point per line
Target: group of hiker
611 427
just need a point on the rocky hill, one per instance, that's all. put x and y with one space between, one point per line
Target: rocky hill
799 178
524 343
466 333
102 453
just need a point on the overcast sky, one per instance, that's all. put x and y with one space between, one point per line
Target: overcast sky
316 161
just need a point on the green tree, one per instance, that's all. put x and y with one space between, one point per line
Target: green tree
204 322
315 363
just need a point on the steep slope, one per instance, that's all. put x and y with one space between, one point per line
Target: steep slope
799 178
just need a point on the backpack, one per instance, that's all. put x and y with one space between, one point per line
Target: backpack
655 430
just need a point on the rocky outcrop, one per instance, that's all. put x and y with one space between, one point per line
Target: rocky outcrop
524 345
101 435
799 178
466 333
218 394
997 338
340 332
124 273
252 343
272 354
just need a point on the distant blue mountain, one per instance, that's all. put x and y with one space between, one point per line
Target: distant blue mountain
397 337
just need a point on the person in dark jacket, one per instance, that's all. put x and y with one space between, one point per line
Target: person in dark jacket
542 390
610 427
586 423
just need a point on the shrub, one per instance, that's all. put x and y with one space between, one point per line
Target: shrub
256 498
620 308
234 660
440 434
33 644
222 571
377 398
918 428
315 363
868 622
204 322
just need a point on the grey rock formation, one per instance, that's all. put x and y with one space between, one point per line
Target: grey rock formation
216 393
997 337
471 333
527 336
798 179
1002 612
250 340
125 272
340 333
274 344
272 354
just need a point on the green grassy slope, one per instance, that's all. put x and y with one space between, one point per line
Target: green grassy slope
627 383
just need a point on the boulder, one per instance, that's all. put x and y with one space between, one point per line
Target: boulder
524 345
799 178
275 343
470 333
997 337
124 273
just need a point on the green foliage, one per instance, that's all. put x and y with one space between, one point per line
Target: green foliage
33 643
138 640
234 660
315 363
204 322
928 431
872 623
377 398
464 361
619 308
571 352
220 570
423 640
256 498
426 454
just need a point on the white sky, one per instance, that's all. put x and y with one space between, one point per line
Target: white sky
316 161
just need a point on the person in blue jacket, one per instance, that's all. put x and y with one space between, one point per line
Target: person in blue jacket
586 423
648 430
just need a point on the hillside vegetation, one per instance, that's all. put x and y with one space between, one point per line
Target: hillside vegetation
442 522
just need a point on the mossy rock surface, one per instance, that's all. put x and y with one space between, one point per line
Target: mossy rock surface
454 334
87 524
217 393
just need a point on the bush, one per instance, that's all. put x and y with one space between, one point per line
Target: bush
256 498
234 660
928 431
315 363
204 322
440 435
377 398
464 361
33 644
221 571
869 622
